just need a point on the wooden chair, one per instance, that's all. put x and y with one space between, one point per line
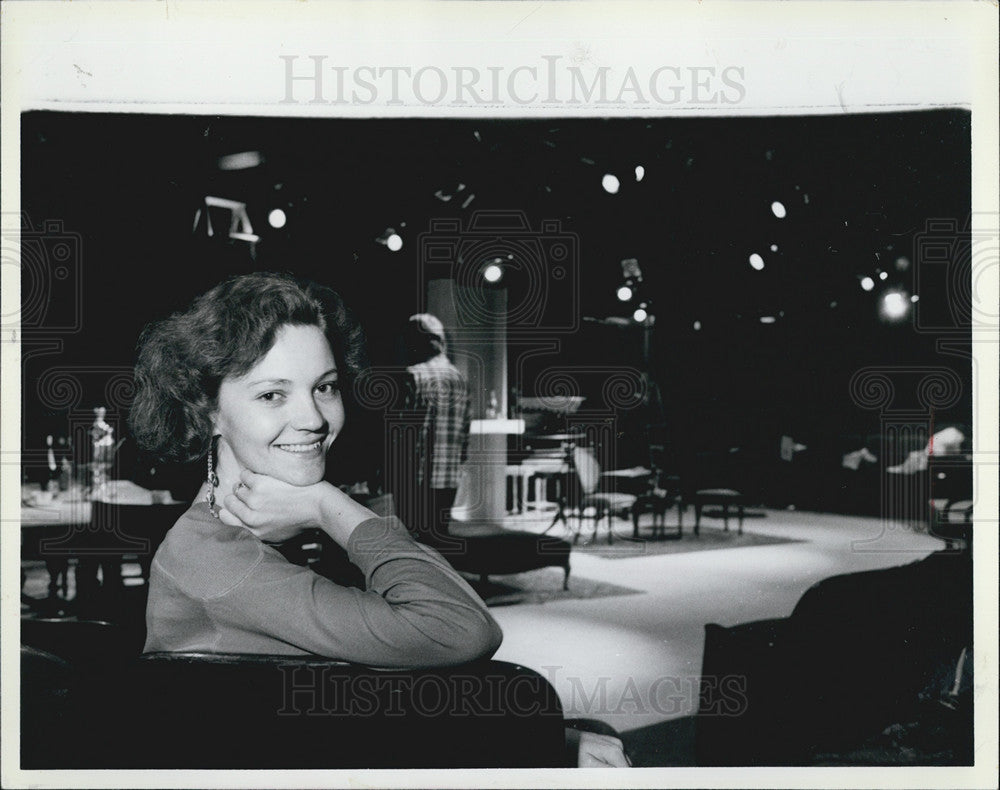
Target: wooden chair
604 503
664 492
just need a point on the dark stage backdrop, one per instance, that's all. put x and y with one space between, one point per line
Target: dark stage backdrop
860 190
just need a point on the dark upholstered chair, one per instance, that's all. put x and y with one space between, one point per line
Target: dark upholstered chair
86 644
480 549
176 710
46 681
858 653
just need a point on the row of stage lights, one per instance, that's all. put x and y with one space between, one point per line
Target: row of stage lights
895 304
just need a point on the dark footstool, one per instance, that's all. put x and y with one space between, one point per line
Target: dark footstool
497 552
726 497
658 505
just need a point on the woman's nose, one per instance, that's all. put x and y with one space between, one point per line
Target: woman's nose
307 416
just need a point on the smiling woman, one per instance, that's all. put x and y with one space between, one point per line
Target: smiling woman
250 378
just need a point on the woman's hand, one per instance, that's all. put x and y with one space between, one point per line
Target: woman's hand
601 751
595 750
276 511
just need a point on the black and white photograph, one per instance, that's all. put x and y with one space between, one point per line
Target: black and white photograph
402 401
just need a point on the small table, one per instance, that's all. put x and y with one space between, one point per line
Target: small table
727 497
658 504
72 526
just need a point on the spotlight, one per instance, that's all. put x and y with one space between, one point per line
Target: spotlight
767 319
610 184
778 209
757 262
902 264
697 326
640 314
624 293
914 299
774 248
640 172
894 306
883 275
631 271
394 242
492 273
245 160
277 218
867 283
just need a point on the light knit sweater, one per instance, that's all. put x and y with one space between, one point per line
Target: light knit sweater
217 588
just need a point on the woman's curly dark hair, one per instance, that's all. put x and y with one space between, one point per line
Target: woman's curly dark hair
183 359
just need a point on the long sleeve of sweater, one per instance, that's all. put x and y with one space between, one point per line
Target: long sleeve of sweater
223 590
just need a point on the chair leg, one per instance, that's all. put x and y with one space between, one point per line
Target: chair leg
697 519
741 518
566 575
725 517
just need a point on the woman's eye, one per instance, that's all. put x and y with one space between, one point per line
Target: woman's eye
328 388
269 397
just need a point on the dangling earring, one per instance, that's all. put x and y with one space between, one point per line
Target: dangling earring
213 481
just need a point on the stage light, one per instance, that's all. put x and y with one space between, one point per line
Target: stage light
767 319
624 293
867 283
492 273
778 209
883 275
610 184
774 248
756 262
894 306
394 242
640 314
914 298
902 264
245 160
697 326
277 218
640 172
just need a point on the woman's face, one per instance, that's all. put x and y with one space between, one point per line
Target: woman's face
281 417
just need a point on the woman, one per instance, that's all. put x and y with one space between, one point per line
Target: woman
251 378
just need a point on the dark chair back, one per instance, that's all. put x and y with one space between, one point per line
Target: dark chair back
46 681
857 654
86 644
237 711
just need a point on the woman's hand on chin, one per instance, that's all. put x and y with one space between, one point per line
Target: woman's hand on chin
276 511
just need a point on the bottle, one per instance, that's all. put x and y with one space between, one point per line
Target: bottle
65 474
52 477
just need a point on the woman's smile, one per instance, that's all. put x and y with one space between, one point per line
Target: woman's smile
312 448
